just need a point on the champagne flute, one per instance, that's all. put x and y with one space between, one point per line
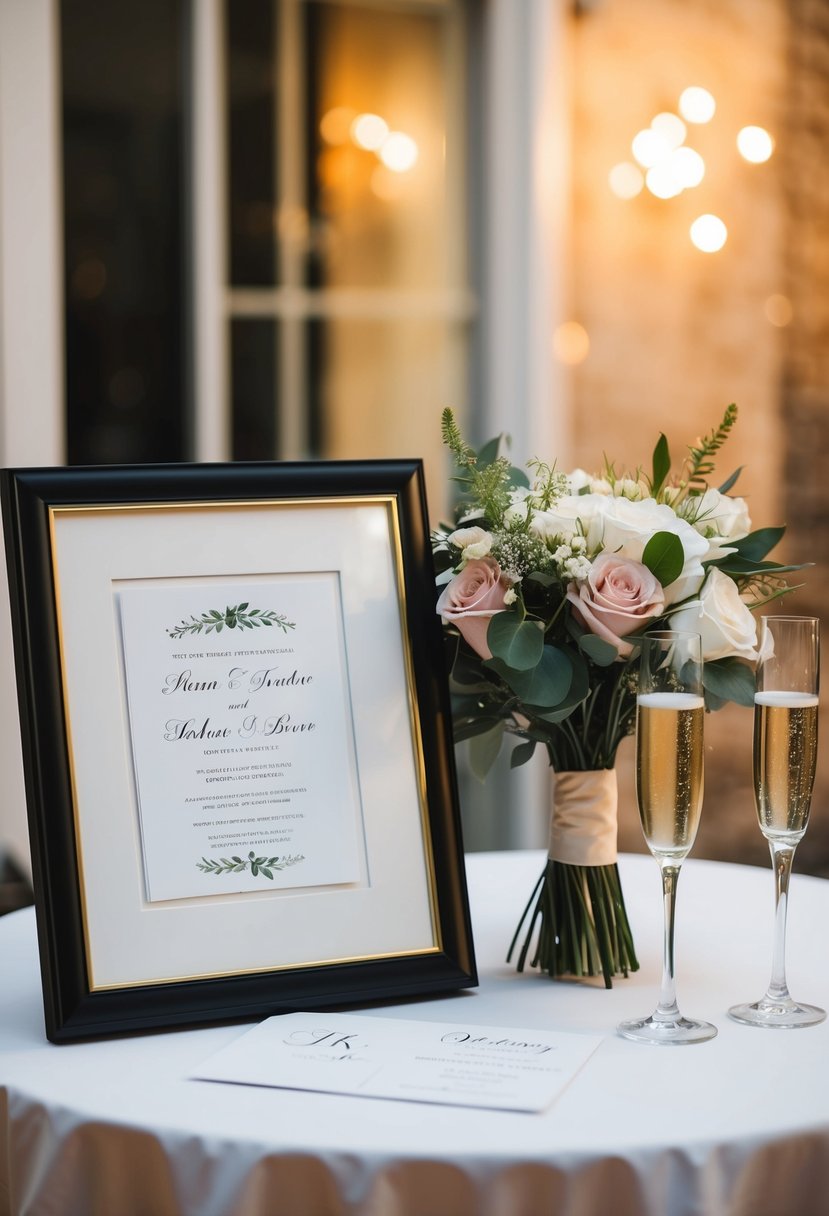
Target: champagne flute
785 753
669 783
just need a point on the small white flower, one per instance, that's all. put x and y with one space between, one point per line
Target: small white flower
473 543
509 596
562 554
600 485
626 487
577 568
578 544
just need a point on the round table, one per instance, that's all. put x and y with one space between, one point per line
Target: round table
735 1127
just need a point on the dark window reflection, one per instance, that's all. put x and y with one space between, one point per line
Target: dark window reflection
123 127
252 166
253 356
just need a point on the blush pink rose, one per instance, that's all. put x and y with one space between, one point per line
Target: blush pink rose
471 600
618 597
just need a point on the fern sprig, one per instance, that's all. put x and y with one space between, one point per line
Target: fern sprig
699 465
465 456
486 486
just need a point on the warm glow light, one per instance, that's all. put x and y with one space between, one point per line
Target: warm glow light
688 166
369 131
663 180
755 144
335 125
571 343
399 152
671 128
778 310
709 233
626 180
649 146
697 104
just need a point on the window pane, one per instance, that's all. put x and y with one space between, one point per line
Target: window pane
376 183
251 141
381 390
253 362
121 70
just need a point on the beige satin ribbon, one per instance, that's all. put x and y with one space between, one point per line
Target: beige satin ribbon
583 822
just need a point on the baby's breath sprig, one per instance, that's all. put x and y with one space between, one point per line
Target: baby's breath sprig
520 553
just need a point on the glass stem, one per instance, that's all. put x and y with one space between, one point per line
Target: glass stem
667 1008
782 856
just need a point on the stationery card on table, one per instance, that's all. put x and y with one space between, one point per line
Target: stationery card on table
242 740
447 1063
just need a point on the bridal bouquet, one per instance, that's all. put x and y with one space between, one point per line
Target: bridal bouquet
546 585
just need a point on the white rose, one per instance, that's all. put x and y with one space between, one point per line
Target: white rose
719 518
722 620
625 527
473 542
570 515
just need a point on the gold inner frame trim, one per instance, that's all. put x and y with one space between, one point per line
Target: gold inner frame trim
395 541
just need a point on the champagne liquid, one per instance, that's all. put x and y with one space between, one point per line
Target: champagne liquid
785 753
669 770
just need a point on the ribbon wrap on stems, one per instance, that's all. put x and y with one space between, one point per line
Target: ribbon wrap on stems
583 818
576 914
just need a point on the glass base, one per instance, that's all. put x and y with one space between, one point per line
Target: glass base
661 1031
782 1015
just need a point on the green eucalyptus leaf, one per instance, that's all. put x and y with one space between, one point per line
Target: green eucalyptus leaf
521 753
731 481
578 690
664 557
484 749
489 452
730 680
756 545
661 464
516 642
602 653
517 477
546 685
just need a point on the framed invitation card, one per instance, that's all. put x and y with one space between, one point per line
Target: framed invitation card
238 758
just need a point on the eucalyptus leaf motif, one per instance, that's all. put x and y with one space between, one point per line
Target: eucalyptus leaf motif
241 616
237 865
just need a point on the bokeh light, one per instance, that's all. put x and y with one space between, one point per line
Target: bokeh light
755 144
697 104
369 131
399 152
688 166
335 125
670 127
626 180
778 310
648 146
571 343
709 233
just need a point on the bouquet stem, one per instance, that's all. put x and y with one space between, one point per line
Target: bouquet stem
577 919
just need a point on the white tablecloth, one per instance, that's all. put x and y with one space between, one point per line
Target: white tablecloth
735 1127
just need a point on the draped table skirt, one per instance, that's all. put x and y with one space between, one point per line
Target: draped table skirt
735 1127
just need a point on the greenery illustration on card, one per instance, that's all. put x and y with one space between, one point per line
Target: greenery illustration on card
240 616
258 865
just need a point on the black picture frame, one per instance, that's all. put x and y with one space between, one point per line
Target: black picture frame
32 499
